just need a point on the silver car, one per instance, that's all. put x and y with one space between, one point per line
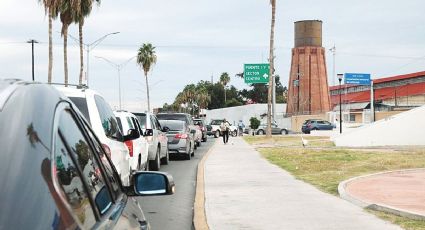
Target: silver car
180 138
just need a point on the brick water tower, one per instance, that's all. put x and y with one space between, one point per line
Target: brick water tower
308 91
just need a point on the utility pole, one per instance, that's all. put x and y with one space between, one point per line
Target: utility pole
271 71
32 41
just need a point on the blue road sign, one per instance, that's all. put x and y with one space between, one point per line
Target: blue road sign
357 78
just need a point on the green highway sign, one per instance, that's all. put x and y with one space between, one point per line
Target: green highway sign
256 73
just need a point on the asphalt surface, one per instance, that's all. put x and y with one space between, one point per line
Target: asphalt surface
176 211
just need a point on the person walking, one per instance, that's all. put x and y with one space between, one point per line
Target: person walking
241 126
224 128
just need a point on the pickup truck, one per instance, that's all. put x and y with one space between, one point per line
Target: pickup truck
213 129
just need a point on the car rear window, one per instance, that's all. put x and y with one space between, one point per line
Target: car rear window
216 122
180 117
109 122
172 125
81 104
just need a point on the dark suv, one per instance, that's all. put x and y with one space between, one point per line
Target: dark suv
316 124
55 174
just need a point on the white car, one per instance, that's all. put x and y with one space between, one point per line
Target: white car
103 122
157 140
138 148
216 131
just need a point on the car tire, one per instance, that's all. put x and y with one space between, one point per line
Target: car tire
139 163
154 165
260 132
234 133
284 132
217 134
165 160
189 154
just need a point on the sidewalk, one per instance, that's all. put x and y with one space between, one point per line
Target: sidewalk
245 191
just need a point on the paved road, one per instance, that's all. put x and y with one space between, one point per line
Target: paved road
176 211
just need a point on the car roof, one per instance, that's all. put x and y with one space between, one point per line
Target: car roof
76 92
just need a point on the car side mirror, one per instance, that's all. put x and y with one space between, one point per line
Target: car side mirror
132 134
151 184
165 129
148 133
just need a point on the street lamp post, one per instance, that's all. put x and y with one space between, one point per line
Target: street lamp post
340 104
90 47
32 41
119 67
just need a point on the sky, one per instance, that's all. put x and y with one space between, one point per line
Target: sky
199 39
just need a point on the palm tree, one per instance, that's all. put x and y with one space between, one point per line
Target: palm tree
224 80
66 19
146 57
51 9
271 71
82 9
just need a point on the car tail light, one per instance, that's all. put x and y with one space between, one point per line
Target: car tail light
107 150
181 136
309 125
129 145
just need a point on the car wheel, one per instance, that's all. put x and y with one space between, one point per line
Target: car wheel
284 132
188 155
166 159
154 165
234 133
260 132
217 134
139 164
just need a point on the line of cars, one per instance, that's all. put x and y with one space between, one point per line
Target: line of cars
67 150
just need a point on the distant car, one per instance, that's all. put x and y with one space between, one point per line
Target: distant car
316 124
50 151
138 148
187 118
275 129
201 124
102 120
215 128
180 140
157 141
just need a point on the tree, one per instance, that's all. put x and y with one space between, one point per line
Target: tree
271 72
146 57
224 80
65 9
51 9
81 9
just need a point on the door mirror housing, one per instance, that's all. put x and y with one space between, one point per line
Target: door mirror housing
148 133
132 134
151 184
165 129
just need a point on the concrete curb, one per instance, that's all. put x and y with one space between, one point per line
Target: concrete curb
199 216
378 207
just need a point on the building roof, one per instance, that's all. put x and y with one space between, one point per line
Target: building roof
381 94
384 79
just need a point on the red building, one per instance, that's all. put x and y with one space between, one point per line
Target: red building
391 93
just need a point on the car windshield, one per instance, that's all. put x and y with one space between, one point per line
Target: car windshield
216 122
142 119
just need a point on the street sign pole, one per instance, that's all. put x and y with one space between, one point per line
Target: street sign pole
372 106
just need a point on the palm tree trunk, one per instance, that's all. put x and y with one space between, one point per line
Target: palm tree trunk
65 53
80 33
147 91
49 73
225 99
271 71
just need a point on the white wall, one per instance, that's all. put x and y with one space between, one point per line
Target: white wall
407 128
244 113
